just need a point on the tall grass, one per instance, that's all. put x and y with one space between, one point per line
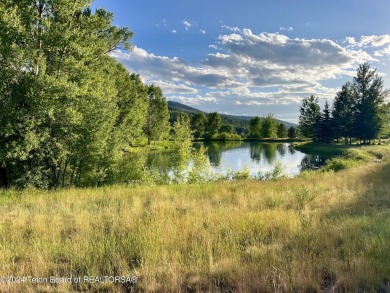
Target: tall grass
310 233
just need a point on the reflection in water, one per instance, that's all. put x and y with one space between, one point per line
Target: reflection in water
311 162
255 151
282 148
291 150
215 157
215 150
270 152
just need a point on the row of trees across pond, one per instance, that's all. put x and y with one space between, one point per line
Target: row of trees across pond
359 111
209 126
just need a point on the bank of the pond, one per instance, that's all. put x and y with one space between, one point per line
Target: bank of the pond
316 232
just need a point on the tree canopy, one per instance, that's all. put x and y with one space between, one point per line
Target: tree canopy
67 108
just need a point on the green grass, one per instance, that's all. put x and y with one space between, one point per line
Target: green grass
287 235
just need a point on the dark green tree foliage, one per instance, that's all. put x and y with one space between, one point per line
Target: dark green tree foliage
269 127
343 112
292 132
64 102
369 93
213 123
310 114
157 124
282 131
198 124
325 128
254 128
227 128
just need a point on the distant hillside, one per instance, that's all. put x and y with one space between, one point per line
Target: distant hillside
236 121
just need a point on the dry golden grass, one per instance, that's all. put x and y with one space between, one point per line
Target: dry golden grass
291 235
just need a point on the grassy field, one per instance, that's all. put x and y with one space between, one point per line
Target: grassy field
307 234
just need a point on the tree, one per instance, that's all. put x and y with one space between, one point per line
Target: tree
282 131
198 124
132 103
325 130
309 116
157 124
344 112
183 145
254 128
58 97
292 132
269 127
385 110
213 123
369 94
227 128
181 128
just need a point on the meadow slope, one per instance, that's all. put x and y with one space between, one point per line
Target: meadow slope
307 234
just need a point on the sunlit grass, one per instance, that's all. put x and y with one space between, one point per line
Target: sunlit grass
308 233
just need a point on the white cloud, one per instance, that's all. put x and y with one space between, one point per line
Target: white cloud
174 31
232 29
289 29
193 101
350 40
248 70
187 25
384 52
203 32
373 41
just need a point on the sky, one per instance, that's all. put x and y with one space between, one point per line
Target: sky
252 57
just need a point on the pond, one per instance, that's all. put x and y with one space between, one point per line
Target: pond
253 156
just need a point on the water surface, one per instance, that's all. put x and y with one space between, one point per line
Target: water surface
255 156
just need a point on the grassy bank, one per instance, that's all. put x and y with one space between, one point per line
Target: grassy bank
305 234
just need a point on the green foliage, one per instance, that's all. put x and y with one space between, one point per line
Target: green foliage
201 168
254 130
359 110
343 112
282 131
309 116
183 147
325 131
157 122
198 124
241 174
213 123
227 128
385 116
292 132
181 129
269 127
370 95
276 173
225 136
67 108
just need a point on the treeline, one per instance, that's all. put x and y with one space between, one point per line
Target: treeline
67 109
269 128
210 127
359 111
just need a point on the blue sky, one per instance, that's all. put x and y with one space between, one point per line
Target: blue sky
252 57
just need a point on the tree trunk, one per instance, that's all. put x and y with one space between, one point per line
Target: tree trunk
3 178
